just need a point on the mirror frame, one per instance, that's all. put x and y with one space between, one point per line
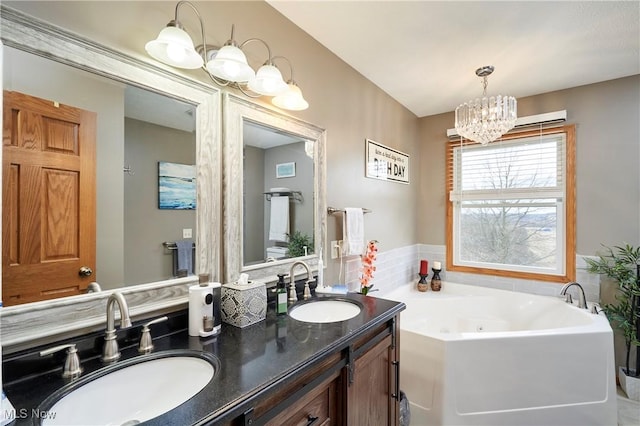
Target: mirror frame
235 110
39 322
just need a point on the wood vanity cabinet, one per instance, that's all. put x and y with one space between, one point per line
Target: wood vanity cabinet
357 386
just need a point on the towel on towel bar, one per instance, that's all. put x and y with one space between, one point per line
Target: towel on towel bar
185 255
279 222
353 231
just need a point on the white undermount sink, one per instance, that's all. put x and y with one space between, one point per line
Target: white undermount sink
142 389
324 311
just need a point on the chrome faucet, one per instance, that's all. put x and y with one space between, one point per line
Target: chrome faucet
292 284
582 300
110 350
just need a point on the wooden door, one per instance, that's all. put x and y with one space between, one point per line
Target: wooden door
48 199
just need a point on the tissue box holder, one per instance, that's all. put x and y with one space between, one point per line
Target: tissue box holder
244 305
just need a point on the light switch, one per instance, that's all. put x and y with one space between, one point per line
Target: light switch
187 233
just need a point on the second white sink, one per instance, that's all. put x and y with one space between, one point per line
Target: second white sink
132 394
324 311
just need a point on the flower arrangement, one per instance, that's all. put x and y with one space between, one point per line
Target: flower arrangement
368 267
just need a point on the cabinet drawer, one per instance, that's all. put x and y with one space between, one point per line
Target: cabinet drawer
314 408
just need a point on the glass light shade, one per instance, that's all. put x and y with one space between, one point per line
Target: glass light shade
268 81
174 47
230 64
485 120
292 99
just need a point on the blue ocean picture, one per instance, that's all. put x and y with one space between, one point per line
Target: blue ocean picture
176 186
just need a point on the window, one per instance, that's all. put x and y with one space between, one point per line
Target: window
511 205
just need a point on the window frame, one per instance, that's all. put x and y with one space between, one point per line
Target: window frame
569 209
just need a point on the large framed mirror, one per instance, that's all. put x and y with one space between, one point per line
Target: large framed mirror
273 190
131 255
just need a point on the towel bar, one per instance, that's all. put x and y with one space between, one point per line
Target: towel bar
174 257
295 195
332 210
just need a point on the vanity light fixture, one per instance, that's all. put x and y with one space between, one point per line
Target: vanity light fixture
486 119
227 65
291 99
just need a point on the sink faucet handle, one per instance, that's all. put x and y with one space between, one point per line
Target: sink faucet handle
146 341
293 295
568 298
307 290
72 367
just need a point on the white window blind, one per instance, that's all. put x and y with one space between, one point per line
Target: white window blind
509 204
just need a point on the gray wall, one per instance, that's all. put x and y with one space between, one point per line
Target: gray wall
253 199
146 226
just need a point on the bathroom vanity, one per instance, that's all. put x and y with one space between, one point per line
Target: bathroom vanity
278 371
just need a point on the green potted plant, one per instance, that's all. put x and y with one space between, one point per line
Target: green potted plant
297 243
622 264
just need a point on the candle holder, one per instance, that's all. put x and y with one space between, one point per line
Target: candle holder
436 284
422 284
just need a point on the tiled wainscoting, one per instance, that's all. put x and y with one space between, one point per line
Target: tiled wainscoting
400 266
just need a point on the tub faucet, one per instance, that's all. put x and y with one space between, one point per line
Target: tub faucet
110 350
582 300
292 284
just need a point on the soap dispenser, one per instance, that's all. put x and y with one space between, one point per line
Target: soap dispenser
281 295
203 320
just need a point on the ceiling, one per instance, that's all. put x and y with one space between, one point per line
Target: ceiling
162 110
424 53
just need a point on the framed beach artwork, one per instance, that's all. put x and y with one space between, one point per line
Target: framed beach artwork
285 170
176 186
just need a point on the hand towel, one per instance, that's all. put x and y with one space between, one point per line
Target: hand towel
353 231
185 255
279 222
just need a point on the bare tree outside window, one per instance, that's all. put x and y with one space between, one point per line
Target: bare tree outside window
499 222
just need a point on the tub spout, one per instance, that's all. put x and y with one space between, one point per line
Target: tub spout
582 300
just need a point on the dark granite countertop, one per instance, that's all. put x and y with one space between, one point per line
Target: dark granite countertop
252 360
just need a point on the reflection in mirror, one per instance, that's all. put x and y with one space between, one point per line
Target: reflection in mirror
268 154
134 130
277 194
37 323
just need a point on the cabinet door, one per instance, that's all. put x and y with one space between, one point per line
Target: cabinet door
370 400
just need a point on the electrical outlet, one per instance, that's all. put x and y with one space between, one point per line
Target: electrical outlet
335 249
187 233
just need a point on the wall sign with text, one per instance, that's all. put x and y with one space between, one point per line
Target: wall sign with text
386 163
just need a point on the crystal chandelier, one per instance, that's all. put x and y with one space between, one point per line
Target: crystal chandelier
486 119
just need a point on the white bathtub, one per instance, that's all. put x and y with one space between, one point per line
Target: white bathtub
477 356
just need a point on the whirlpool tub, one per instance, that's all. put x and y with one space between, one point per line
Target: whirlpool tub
478 356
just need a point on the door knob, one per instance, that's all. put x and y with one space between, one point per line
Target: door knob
85 271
